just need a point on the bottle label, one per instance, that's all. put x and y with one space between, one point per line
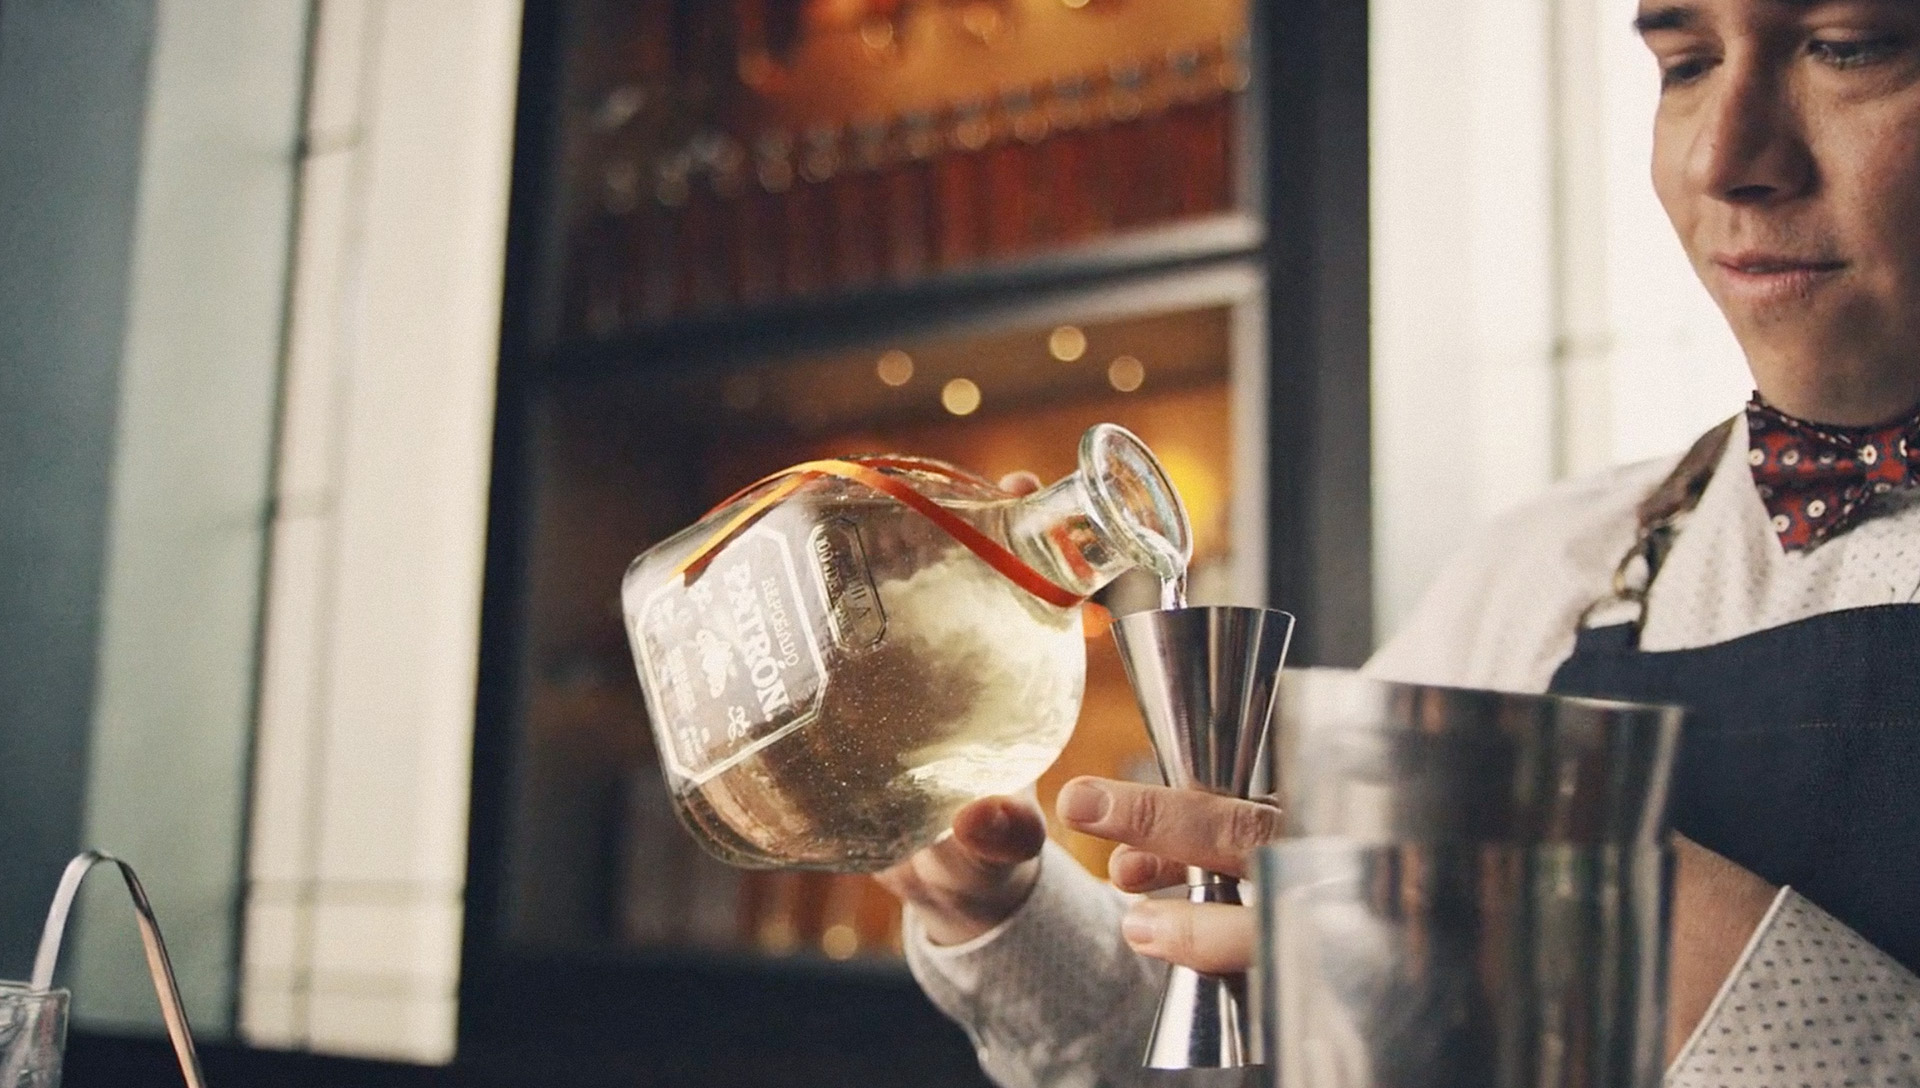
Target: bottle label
732 661
853 604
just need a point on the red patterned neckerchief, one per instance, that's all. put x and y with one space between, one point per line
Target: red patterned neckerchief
1818 481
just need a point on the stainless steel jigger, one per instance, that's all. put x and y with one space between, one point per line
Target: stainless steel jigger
1205 679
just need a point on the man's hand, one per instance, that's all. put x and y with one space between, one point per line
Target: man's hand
975 878
1716 904
1161 832
1716 907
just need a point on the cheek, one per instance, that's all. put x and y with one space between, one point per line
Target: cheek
1901 232
1668 172
1881 195
1900 191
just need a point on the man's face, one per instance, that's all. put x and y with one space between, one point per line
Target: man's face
1787 154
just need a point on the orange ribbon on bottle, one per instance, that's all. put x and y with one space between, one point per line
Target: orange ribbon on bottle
867 472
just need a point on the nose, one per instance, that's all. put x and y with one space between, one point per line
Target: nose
1748 147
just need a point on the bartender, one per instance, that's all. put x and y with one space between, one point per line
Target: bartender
1769 579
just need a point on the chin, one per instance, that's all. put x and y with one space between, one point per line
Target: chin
1783 347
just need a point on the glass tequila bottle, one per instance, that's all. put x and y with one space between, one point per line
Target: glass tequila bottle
839 657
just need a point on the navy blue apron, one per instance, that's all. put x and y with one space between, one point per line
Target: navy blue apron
1801 758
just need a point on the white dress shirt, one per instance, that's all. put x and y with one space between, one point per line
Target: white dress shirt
1053 998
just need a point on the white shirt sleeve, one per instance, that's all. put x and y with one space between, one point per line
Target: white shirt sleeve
1501 614
1810 1004
1052 997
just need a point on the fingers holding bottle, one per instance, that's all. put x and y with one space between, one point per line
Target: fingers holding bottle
974 879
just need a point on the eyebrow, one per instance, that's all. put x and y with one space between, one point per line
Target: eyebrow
1682 16
1670 17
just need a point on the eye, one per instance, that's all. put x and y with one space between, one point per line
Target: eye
1681 71
1853 52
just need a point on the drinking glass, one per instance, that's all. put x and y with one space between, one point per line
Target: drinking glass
33 1033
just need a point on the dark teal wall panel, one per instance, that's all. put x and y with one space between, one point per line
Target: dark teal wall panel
72 92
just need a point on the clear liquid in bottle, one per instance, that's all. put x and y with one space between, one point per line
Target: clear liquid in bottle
972 692
835 680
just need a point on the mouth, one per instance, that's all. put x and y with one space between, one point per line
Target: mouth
1764 277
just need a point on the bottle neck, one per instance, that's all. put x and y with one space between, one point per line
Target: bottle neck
1055 531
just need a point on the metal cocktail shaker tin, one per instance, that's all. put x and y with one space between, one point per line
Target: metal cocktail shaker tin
1473 890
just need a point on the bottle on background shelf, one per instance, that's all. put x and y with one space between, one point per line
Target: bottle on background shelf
1125 157
1199 123
1014 220
665 286
857 193
759 220
809 211
670 893
910 198
841 936
961 177
1078 198
723 162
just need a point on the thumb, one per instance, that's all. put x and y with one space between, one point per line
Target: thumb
1000 830
972 880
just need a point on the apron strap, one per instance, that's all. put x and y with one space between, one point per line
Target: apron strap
1658 518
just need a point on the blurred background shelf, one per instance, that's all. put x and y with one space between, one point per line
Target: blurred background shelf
980 296
722 156
747 234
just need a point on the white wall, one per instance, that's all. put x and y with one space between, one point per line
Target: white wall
358 850
1533 316
1462 334
1674 368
